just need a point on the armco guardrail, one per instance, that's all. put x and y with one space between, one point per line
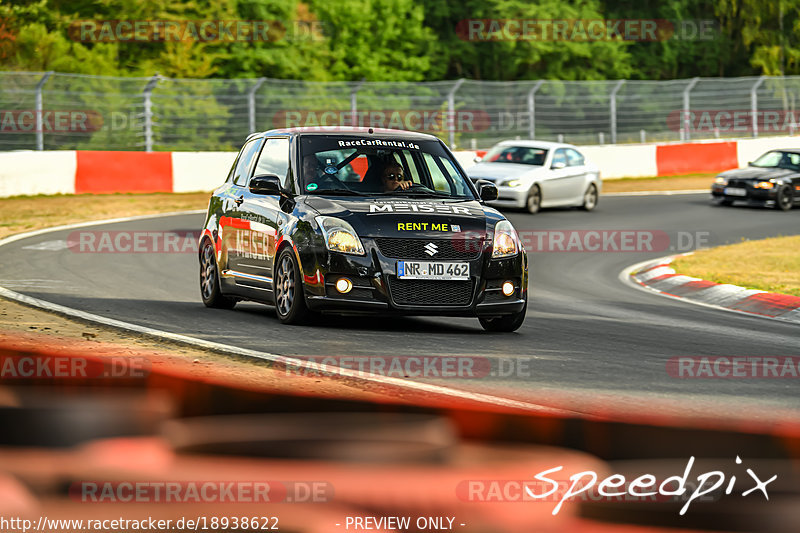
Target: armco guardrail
76 172
54 111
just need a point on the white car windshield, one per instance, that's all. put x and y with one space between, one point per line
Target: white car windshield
523 155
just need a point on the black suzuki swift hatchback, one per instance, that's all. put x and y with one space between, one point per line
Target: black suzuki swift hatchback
356 220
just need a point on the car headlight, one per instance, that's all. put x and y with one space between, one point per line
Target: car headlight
511 183
721 181
340 236
765 184
506 242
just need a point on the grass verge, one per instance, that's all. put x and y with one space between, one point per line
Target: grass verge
660 183
769 265
28 213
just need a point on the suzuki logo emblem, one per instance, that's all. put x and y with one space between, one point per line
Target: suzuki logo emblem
431 249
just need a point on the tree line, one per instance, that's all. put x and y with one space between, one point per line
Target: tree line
403 40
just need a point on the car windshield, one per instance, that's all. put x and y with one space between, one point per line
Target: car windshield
360 165
523 155
777 159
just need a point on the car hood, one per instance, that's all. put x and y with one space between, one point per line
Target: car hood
755 173
400 217
495 171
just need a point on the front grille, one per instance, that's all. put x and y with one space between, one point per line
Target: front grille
738 183
415 248
430 292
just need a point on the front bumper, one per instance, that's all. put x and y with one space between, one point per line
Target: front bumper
511 197
765 197
376 288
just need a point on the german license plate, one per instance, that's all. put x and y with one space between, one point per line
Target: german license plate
432 270
733 191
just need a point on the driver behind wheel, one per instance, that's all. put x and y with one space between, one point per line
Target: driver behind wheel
393 179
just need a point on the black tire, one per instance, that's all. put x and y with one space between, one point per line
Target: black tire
505 324
534 200
784 200
590 198
209 279
290 302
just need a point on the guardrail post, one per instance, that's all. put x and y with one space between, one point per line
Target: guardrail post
148 113
39 111
754 104
686 103
354 102
451 116
613 110
532 109
251 103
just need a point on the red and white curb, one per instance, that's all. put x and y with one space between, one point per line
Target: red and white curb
659 277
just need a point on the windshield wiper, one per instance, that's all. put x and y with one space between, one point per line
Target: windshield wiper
420 192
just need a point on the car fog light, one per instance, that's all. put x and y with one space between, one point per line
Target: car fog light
344 285
508 288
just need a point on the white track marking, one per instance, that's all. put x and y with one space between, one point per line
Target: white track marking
296 363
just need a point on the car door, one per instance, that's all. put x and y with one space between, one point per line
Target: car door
260 217
576 181
231 222
561 180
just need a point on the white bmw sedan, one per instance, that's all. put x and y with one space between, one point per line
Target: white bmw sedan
535 174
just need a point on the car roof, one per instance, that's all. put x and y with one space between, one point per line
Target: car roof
536 144
351 130
790 150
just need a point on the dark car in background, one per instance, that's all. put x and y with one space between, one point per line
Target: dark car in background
306 221
772 180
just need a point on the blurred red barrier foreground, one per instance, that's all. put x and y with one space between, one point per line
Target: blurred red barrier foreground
188 447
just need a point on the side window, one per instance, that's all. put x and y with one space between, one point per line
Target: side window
559 157
574 158
444 175
245 163
274 159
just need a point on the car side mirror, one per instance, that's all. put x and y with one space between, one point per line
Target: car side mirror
487 190
477 159
749 163
266 184
558 166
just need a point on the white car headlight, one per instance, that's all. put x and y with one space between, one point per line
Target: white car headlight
506 241
511 183
720 180
340 236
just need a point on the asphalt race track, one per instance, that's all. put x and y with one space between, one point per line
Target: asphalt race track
587 335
